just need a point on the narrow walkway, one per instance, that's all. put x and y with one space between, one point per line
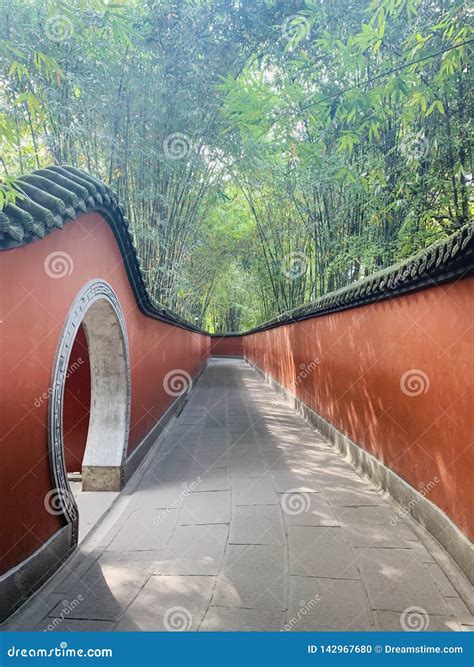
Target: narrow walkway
245 519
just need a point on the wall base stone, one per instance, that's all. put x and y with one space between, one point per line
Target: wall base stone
17 584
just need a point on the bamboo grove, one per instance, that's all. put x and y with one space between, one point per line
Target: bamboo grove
266 151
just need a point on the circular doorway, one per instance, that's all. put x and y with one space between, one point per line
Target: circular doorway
97 312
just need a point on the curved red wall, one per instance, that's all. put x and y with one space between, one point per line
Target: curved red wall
34 307
349 367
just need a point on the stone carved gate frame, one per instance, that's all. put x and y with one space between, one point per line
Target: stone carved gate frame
98 309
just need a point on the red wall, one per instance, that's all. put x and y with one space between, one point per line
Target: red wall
77 403
358 358
227 346
34 307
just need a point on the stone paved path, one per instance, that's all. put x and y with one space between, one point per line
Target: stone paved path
246 519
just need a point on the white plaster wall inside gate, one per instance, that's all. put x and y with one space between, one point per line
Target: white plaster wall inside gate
104 456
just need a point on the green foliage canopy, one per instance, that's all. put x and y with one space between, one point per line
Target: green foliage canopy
267 151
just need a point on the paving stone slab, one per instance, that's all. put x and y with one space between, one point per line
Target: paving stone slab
321 552
345 497
239 428
72 570
363 535
155 494
168 603
421 553
240 450
32 613
178 453
214 425
108 587
328 604
339 475
274 460
178 471
253 491
444 585
460 611
216 431
145 530
377 514
107 535
256 524
182 433
205 507
307 509
270 444
214 445
228 619
396 580
213 480
246 440
74 625
242 558
209 461
192 418
255 589
295 480
287 459
416 621
247 466
194 550
187 439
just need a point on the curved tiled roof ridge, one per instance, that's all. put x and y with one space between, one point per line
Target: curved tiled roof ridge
56 195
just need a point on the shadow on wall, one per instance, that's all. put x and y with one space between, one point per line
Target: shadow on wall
393 376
